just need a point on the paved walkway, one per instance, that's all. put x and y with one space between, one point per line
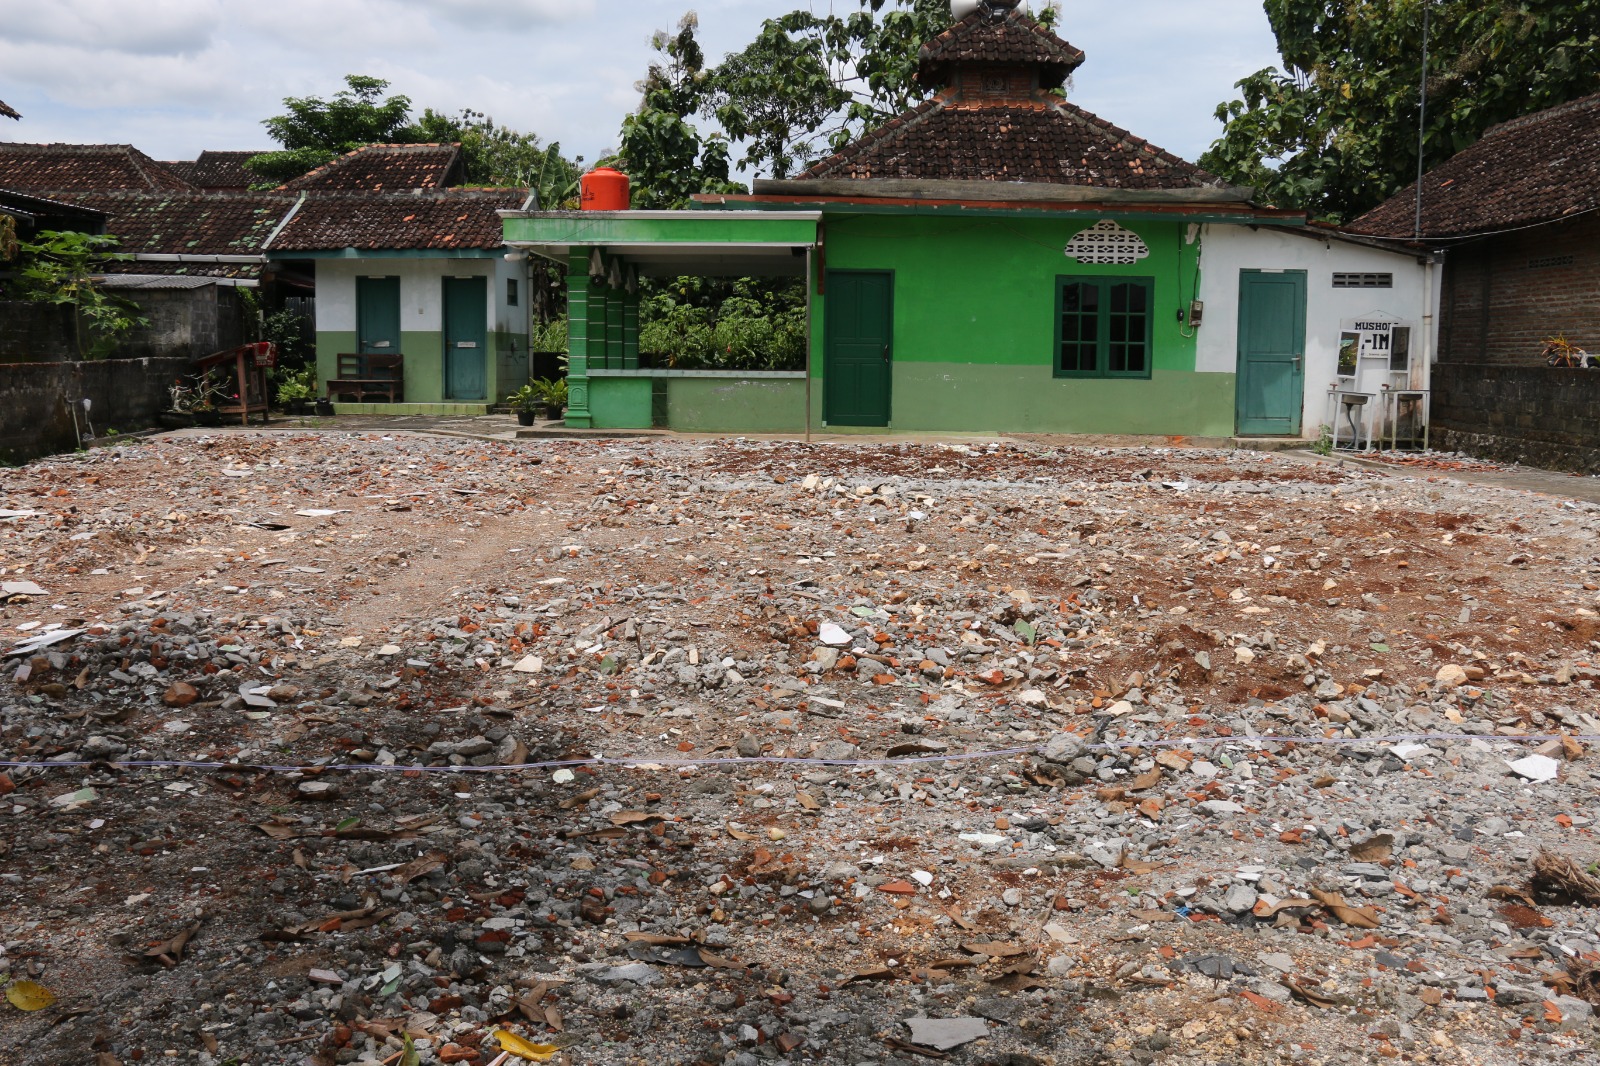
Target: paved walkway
505 428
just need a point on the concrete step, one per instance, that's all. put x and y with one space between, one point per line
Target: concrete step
1270 444
464 409
558 431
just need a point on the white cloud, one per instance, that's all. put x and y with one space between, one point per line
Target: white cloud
503 14
146 27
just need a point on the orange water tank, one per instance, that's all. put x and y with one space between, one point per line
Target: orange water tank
605 190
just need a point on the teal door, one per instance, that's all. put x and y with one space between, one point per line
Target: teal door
1272 352
858 348
378 315
466 336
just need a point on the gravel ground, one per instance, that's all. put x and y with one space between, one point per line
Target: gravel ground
673 752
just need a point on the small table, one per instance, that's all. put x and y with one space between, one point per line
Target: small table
1391 410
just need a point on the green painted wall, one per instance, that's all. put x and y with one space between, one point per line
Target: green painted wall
974 325
620 403
966 397
736 405
424 365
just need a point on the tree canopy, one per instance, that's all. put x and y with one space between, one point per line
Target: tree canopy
316 131
805 86
1335 130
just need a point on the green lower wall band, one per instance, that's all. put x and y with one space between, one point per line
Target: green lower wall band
506 362
937 397
1021 399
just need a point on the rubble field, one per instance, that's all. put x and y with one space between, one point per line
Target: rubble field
372 747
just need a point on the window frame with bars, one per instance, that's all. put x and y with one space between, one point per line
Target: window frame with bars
1104 316
1363 279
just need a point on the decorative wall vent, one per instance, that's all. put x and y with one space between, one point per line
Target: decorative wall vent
1363 281
1549 261
1107 243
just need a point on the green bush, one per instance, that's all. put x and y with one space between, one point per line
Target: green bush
753 324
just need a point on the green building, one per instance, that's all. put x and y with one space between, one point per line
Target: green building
994 259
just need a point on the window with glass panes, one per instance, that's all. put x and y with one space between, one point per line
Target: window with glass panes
1103 327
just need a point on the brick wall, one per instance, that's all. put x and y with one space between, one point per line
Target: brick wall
1503 296
1536 415
126 394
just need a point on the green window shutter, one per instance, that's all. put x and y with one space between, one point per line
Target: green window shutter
1104 327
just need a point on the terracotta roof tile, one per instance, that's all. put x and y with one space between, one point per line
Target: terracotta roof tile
386 168
1542 167
6 110
1047 141
220 171
190 223
1013 39
450 218
62 168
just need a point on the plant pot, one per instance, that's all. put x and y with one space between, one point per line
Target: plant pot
174 419
552 412
324 407
296 407
208 418
524 416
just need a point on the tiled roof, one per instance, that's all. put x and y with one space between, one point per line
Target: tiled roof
190 223
66 168
386 168
1013 39
6 110
1048 141
221 171
450 218
1539 168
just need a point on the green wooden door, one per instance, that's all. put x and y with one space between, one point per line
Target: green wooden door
1272 350
858 348
378 315
466 336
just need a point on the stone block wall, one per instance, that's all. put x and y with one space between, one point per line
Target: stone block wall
126 395
1504 296
1536 415
34 332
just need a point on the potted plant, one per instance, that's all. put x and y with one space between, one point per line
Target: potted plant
523 402
552 396
297 390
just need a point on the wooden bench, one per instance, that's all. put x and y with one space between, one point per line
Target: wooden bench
369 377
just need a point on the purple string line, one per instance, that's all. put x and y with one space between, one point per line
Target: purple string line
645 760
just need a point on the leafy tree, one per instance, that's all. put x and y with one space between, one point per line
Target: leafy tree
667 158
808 79
1335 130
316 131
498 155
59 267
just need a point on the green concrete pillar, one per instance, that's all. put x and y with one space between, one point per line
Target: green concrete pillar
599 324
578 415
614 350
630 330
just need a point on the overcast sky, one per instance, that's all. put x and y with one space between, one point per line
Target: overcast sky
174 77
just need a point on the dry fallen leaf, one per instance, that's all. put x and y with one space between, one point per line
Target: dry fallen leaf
29 995
1316 999
1378 848
1360 917
420 867
626 818
996 950
807 802
524 1049
740 834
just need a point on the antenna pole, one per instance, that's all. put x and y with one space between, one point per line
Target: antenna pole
1422 119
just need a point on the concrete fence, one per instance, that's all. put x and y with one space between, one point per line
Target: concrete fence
125 395
1537 415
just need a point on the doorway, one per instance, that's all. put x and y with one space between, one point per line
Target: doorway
466 337
378 316
1272 352
858 348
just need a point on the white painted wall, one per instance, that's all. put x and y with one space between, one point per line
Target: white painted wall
1226 250
421 291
